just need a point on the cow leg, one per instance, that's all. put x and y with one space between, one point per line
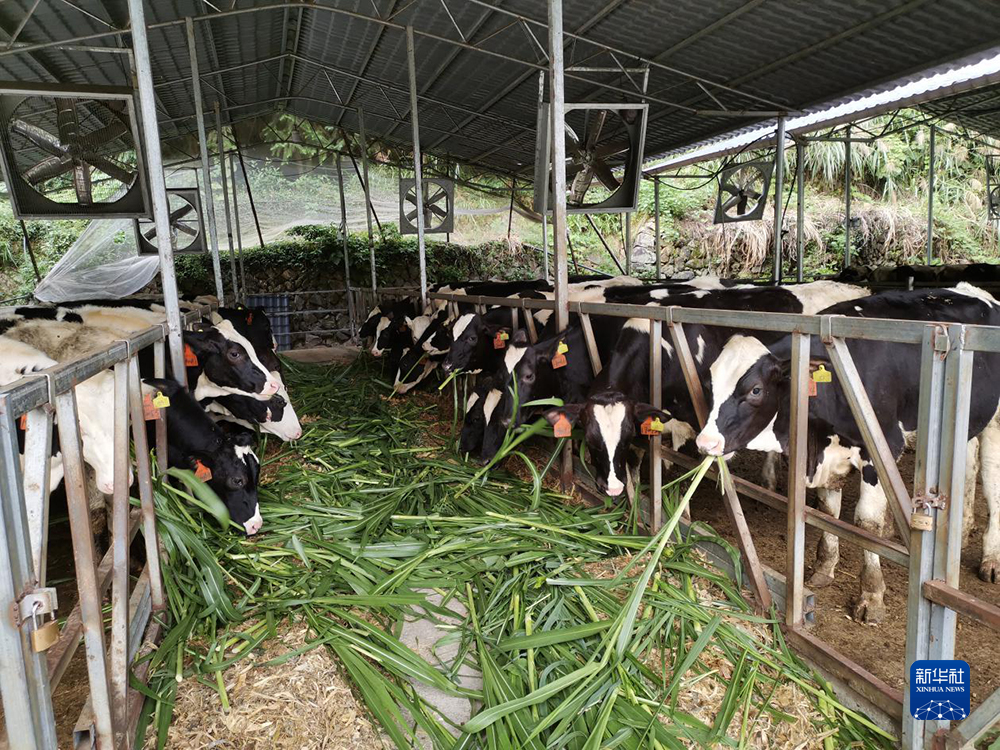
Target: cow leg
989 459
769 471
971 472
828 552
870 516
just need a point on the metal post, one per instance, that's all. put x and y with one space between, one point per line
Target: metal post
626 217
656 440
779 190
119 551
246 183
418 188
847 198
206 167
797 469
27 702
239 235
225 198
368 196
347 264
930 201
158 187
800 208
545 246
559 239
656 223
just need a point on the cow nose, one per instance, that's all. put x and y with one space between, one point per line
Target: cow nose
297 434
446 366
615 488
376 352
107 488
711 443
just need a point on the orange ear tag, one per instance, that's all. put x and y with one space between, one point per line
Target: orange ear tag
813 387
190 358
499 341
149 411
562 428
202 472
652 427
24 421
558 361
249 318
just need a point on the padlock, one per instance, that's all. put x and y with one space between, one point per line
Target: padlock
45 636
921 522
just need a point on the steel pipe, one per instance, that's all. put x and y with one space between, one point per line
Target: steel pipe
418 188
225 198
779 191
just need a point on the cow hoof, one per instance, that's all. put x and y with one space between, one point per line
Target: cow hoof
869 609
989 570
820 579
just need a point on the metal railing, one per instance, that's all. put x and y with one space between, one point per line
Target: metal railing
31 665
929 520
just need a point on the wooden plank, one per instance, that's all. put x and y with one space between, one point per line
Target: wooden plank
944 595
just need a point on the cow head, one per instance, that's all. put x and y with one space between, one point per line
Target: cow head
371 323
229 364
469 334
610 421
240 500
748 386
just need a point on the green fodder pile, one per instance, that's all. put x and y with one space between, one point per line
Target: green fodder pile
586 637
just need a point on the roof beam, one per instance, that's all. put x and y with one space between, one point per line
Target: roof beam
368 58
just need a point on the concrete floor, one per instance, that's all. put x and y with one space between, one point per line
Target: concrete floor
340 354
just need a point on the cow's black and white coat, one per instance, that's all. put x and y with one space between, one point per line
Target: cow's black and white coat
750 409
617 402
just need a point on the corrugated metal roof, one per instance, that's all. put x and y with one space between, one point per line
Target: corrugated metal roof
706 59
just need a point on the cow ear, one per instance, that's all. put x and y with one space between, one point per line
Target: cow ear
572 412
167 386
520 338
644 411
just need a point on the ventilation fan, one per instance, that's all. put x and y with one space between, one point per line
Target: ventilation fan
992 191
186 225
598 136
743 192
71 153
438 206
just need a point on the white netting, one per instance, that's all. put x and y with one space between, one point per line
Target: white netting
104 261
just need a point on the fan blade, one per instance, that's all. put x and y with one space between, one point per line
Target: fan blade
751 192
730 203
609 149
411 217
181 212
605 175
437 196
110 168
47 169
742 207
411 198
573 137
437 211
102 136
581 183
190 231
67 124
595 125
41 138
81 183
731 189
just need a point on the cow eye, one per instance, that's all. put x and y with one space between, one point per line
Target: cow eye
234 353
755 391
529 377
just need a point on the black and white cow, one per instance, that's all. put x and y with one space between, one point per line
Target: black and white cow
389 328
617 405
195 437
253 324
478 409
225 363
749 395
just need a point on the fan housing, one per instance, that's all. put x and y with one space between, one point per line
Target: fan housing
743 192
438 205
187 225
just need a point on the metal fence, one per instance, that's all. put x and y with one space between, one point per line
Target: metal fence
929 520
34 652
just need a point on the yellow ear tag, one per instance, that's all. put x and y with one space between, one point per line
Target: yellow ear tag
562 348
652 426
822 375
160 401
503 335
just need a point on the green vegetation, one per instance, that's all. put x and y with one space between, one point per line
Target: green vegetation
585 636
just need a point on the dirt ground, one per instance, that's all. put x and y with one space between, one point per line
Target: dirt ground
879 648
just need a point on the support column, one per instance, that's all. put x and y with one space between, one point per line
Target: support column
158 186
225 196
557 96
343 229
847 198
368 197
545 245
206 168
417 167
779 191
930 201
656 223
800 208
239 235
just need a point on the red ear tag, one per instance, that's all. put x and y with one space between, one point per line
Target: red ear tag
652 427
498 341
249 318
558 361
190 358
24 421
149 412
202 472
813 387
562 428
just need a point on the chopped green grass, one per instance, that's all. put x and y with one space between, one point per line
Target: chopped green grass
364 515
